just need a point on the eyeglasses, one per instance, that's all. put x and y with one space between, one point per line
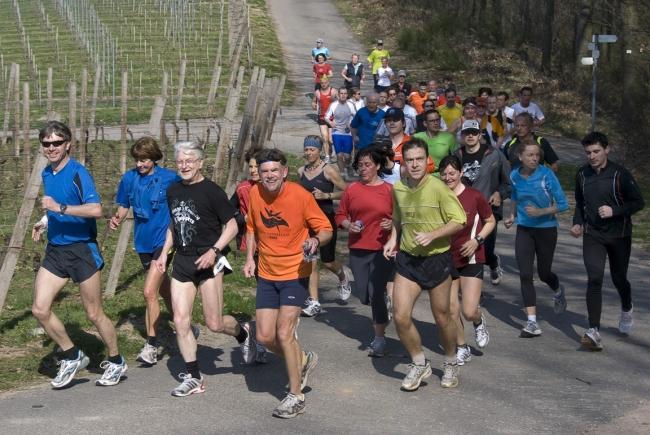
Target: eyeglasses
186 162
55 143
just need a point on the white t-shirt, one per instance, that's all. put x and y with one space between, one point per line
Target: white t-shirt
358 105
384 75
533 109
341 115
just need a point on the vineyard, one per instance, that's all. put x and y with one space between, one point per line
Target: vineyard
114 70
164 46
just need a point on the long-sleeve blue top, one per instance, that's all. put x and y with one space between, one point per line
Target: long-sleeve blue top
541 189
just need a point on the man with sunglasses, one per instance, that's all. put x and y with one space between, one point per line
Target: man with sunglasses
72 206
487 170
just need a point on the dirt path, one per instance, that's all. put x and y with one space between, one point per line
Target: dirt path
545 385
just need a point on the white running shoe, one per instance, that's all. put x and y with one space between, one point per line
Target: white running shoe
148 354
626 322
189 385
112 373
463 355
481 334
312 308
68 368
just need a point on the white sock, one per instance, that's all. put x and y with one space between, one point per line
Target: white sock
532 318
419 359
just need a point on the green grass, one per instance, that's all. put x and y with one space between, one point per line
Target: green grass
25 358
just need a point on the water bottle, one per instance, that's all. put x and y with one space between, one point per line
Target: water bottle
308 256
360 224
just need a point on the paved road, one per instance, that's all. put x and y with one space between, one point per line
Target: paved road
544 385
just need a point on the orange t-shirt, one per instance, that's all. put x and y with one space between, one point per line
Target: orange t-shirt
281 225
431 165
417 101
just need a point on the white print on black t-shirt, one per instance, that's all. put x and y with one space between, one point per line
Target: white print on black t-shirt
470 171
185 217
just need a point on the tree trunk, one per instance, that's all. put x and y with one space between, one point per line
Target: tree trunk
547 40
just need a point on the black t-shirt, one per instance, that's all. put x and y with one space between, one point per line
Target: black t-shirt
198 211
472 164
513 148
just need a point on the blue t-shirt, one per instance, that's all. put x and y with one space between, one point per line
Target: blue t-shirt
541 189
366 122
72 185
324 50
148 197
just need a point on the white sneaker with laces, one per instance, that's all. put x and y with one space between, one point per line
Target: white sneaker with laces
312 308
148 354
626 322
189 385
112 373
463 355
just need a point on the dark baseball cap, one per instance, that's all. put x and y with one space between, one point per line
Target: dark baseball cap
394 114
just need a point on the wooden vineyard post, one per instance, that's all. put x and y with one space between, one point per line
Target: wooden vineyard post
16 93
127 225
10 90
123 113
276 106
27 154
247 118
219 174
20 227
72 115
181 84
83 130
93 104
50 113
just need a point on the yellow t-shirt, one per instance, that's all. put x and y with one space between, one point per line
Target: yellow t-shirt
425 208
374 59
450 115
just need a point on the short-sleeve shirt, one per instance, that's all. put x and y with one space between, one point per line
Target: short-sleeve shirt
341 115
366 122
281 225
384 75
72 185
440 146
198 211
532 108
321 69
147 194
471 164
417 101
374 58
323 50
368 204
425 208
477 210
450 114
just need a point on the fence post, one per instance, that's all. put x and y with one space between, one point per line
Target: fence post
219 175
181 84
93 104
72 115
17 112
50 115
27 152
8 99
83 131
20 227
123 113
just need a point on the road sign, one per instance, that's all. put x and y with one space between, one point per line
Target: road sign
605 39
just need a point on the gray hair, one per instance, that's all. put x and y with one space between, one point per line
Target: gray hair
374 95
189 147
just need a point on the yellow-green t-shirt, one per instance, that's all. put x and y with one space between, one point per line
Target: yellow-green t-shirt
374 58
425 208
440 146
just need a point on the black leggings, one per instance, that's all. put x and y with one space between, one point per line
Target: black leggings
371 272
531 242
490 242
594 251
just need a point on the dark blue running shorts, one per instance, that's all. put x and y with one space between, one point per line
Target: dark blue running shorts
273 294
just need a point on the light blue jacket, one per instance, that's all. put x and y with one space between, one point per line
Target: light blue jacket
541 189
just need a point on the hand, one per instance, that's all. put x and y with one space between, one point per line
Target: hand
160 263
319 194
576 231
355 228
47 203
313 106
533 211
249 268
509 221
469 248
206 260
312 243
424 238
386 224
605 211
114 222
495 199
38 229
389 249
355 139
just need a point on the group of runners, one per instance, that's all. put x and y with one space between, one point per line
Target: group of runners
420 178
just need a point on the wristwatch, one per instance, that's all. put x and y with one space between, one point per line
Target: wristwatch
479 239
63 208
217 251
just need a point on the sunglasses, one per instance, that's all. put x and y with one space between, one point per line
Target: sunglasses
471 132
56 143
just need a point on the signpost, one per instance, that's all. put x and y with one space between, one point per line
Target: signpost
593 61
